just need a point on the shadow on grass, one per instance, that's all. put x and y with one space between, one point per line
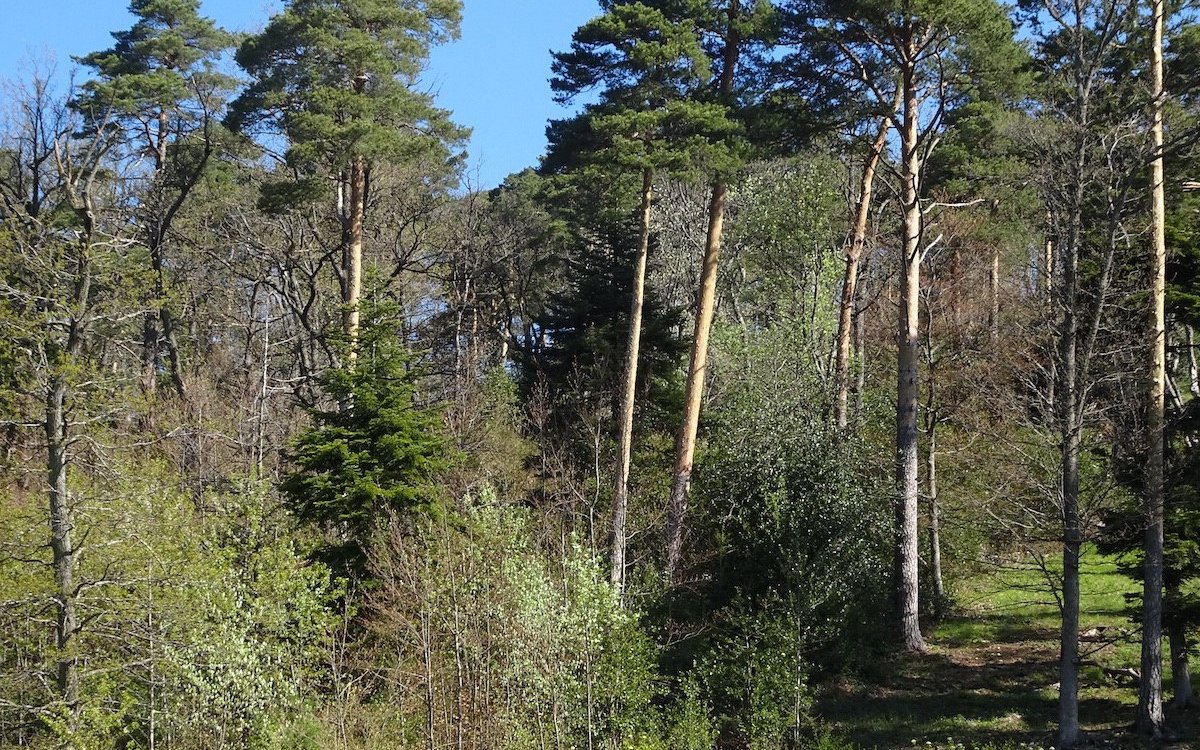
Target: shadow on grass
987 681
996 628
932 697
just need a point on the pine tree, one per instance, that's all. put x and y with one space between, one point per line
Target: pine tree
644 123
159 84
338 79
910 53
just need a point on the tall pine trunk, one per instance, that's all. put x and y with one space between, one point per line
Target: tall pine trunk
685 441
907 495
931 485
629 392
685 444
1150 709
858 241
352 244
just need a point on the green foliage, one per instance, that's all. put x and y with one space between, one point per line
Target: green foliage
372 456
787 225
208 628
585 323
635 54
796 542
338 79
649 69
167 59
858 53
536 649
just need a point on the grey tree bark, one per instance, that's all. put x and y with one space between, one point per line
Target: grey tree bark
1150 709
907 552
62 348
62 549
932 418
1089 32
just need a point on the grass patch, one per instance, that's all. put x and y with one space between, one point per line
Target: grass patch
991 676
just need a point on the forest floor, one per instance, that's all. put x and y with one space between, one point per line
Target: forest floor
990 677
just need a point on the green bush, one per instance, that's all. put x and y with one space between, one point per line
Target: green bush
794 536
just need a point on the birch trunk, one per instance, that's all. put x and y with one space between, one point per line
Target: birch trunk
1193 370
352 255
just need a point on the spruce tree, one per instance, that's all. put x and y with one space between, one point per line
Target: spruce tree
371 457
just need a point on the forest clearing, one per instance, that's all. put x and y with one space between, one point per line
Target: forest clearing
829 381
990 679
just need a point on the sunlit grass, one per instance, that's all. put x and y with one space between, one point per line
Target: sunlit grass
991 677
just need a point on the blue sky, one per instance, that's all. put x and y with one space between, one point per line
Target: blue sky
493 78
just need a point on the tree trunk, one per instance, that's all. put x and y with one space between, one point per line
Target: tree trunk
628 396
931 423
352 256
1069 414
150 353
994 299
1068 658
152 335
61 356
907 392
62 548
1176 629
1150 710
1046 277
860 358
858 241
1193 370
685 441
935 542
